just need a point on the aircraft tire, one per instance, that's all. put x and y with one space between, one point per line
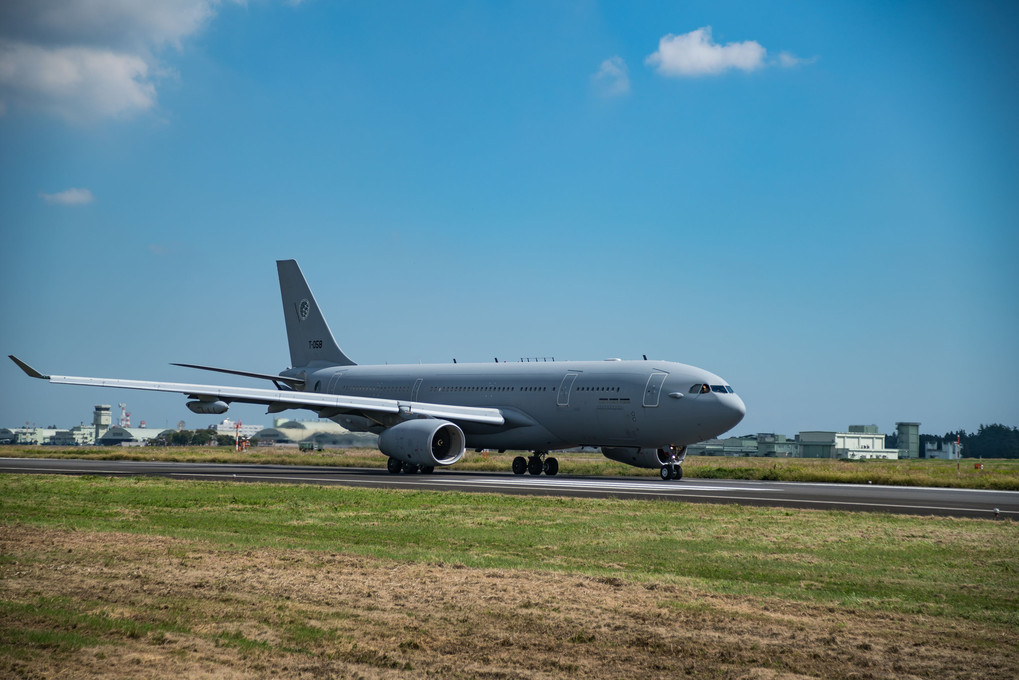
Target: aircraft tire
535 466
411 469
394 466
665 473
519 465
677 472
551 467
428 469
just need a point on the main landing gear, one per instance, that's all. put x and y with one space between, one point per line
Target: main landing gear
396 466
537 463
671 471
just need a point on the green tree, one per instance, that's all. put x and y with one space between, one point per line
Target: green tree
201 438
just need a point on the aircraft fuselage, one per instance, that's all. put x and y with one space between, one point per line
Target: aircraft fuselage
552 405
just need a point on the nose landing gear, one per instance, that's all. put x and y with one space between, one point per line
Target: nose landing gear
672 468
536 464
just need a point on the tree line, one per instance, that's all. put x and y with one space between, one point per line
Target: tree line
989 441
195 438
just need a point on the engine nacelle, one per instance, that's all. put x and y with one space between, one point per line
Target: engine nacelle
206 407
426 442
642 458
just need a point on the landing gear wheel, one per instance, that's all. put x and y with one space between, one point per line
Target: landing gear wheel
665 473
519 465
411 469
677 472
551 467
534 466
394 466
428 469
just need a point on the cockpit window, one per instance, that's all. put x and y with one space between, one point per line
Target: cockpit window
729 388
719 388
700 388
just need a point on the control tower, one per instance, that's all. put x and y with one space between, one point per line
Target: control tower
101 419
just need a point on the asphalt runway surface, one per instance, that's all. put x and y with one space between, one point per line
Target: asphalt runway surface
854 497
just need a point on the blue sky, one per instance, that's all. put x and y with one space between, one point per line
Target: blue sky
817 201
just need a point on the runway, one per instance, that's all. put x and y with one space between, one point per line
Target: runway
853 497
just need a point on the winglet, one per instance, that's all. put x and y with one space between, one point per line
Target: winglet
32 373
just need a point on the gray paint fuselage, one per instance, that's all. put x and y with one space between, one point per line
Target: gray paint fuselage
645 404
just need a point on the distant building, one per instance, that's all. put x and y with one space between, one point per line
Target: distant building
775 446
863 446
909 439
943 450
82 435
764 444
863 429
35 435
130 436
816 444
733 446
844 445
229 428
8 436
323 433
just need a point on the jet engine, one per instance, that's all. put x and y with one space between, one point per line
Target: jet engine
216 407
643 458
426 442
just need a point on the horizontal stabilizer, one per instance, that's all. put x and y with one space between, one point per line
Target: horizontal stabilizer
293 382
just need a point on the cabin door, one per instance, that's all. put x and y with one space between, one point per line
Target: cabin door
565 388
653 391
334 383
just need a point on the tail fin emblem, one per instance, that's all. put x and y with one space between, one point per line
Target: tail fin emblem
303 308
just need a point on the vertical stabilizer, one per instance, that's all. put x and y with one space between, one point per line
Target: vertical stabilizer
311 341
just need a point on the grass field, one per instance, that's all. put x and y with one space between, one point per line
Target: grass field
997 474
149 577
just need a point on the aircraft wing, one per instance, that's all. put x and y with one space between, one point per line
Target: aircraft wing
278 400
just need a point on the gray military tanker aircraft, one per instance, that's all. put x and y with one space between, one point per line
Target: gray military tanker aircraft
643 413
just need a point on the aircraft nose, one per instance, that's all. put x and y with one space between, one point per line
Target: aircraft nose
739 409
734 410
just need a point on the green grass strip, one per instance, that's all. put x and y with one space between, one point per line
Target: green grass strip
999 474
944 567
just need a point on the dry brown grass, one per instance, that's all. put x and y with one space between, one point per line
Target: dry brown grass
205 612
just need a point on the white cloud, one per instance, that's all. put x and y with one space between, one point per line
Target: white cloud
613 77
69 197
695 54
788 60
90 59
77 83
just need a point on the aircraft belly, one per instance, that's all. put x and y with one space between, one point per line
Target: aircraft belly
530 438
